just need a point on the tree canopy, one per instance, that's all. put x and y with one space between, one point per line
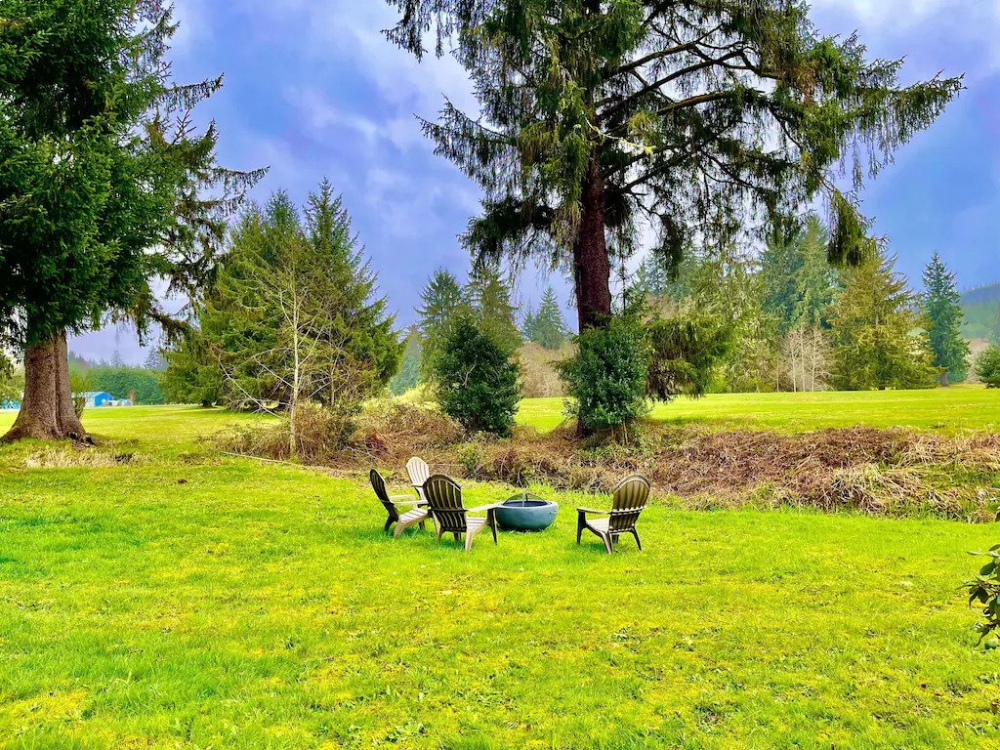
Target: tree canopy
104 182
699 117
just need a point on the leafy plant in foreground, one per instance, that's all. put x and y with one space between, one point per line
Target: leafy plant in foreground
985 589
607 377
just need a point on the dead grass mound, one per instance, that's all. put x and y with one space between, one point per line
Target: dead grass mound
395 431
880 472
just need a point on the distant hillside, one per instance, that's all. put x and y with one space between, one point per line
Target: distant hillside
982 311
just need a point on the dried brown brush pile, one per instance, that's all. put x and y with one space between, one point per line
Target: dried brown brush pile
881 472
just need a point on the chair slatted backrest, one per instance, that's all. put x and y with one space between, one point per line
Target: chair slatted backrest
378 484
444 499
419 472
629 499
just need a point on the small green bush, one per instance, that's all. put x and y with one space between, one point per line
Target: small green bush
985 590
988 367
477 383
607 377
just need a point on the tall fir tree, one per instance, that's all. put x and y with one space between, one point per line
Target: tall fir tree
488 295
529 328
876 331
816 283
442 298
549 330
943 311
293 317
104 184
799 284
596 113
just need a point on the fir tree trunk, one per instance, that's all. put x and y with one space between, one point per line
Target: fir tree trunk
47 411
591 264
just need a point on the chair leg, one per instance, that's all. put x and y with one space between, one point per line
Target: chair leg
388 524
468 541
637 542
493 526
458 537
608 544
579 528
423 525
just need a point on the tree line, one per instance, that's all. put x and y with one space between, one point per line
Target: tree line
708 122
800 324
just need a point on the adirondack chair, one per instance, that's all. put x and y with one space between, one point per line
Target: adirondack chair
393 503
419 472
444 500
629 499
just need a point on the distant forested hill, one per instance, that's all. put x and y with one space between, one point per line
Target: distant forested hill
982 311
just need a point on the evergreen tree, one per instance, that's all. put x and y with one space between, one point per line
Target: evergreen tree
104 184
780 266
549 328
529 329
988 367
477 383
876 331
194 374
155 361
596 113
799 284
816 283
943 311
489 297
294 316
442 298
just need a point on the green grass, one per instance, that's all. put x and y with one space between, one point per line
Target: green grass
190 600
946 409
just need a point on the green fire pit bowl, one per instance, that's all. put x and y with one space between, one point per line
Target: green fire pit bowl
526 512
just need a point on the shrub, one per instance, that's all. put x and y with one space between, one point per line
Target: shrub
684 353
985 590
988 367
607 377
476 379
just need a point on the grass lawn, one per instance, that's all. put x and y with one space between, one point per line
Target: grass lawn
189 600
945 409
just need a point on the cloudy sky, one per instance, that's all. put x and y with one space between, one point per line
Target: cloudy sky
313 90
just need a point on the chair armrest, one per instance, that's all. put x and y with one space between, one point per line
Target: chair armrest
481 508
595 512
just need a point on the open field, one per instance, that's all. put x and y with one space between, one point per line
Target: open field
946 409
155 594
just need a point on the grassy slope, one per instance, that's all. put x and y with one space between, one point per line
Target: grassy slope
981 320
951 410
192 601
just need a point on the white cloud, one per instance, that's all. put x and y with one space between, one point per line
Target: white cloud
903 13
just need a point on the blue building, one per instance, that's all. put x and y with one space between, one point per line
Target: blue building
97 398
